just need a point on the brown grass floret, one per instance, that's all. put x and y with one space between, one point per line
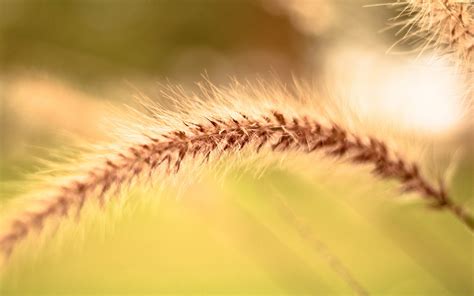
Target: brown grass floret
270 129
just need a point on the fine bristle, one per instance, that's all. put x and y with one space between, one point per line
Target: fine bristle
443 25
221 122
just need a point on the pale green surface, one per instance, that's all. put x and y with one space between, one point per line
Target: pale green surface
239 239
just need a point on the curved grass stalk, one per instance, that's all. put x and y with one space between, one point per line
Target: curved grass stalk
228 127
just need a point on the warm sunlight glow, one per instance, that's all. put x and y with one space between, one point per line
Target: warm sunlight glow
428 96
424 95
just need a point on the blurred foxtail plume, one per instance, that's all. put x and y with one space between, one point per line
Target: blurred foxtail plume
444 26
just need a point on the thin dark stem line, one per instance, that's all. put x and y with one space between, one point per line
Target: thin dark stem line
335 263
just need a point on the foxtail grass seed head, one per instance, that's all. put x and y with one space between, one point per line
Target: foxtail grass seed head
219 122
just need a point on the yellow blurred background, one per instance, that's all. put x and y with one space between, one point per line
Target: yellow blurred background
63 64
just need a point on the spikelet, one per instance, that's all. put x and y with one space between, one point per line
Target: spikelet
207 126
